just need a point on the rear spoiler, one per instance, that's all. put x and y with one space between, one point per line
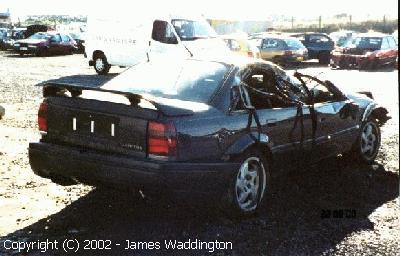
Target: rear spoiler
58 89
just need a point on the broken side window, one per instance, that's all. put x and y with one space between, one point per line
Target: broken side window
319 91
265 91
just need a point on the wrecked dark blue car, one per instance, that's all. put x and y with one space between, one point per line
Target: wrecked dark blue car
225 127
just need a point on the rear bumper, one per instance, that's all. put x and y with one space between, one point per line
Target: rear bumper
29 50
94 168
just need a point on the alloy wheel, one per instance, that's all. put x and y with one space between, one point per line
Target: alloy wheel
369 140
250 184
99 64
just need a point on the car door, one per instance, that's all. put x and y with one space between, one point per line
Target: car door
55 46
384 52
65 45
336 121
280 122
270 48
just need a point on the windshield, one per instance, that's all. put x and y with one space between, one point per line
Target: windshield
193 29
368 42
40 36
293 43
189 80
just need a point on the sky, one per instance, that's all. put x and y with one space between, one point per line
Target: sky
222 9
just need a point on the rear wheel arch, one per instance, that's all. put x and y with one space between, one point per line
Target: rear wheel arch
265 150
247 143
97 53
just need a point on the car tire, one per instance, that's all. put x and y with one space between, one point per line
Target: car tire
368 142
249 185
101 65
324 58
21 54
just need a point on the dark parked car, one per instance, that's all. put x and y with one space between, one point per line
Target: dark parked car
367 51
3 37
223 127
45 43
282 50
319 45
13 35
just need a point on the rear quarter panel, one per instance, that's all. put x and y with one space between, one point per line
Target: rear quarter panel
199 136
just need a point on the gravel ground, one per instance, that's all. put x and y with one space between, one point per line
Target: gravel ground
302 217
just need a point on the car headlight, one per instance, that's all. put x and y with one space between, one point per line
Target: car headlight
32 46
16 45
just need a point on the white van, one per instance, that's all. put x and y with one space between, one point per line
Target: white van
126 41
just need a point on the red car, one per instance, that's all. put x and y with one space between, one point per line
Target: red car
46 43
366 51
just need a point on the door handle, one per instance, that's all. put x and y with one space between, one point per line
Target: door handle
271 122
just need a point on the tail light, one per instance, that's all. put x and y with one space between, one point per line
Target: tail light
250 54
288 52
161 140
42 117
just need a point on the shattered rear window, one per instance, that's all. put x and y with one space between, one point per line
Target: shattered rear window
189 80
